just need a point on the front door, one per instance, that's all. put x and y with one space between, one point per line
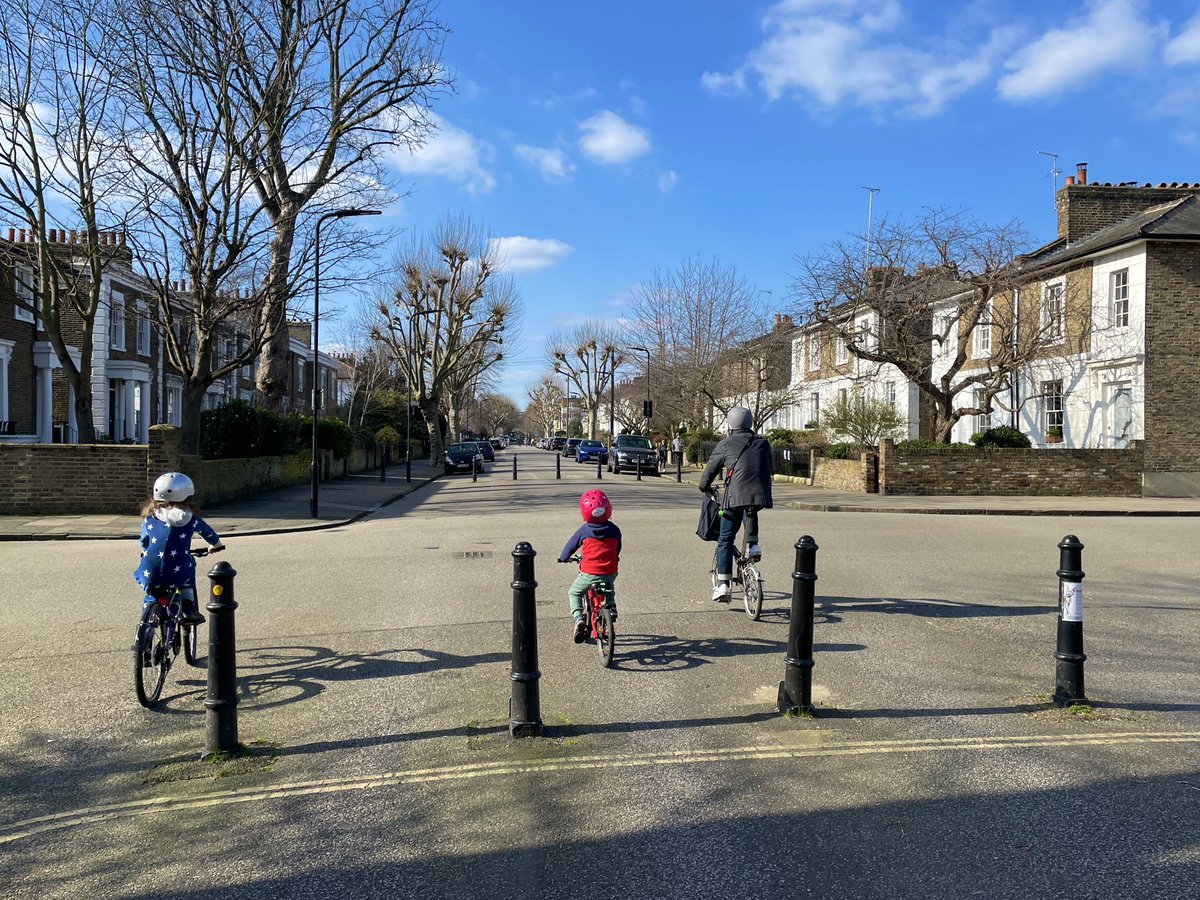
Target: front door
1119 415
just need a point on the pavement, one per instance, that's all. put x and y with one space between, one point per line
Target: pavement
349 499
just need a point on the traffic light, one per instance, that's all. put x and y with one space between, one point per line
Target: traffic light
647 409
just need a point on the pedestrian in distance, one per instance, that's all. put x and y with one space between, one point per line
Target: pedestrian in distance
662 453
598 542
747 456
677 449
169 519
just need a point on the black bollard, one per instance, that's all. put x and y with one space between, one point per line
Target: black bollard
524 715
599 471
795 691
382 466
514 467
221 700
639 468
679 468
408 464
557 464
474 468
1068 674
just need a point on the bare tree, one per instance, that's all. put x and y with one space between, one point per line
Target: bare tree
496 414
936 302
686 317
328 86
449 306
755 374
587 356
545 403
58 174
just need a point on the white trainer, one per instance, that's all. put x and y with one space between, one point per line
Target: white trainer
722 592
755 553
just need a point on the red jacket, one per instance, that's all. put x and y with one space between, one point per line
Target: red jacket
600 546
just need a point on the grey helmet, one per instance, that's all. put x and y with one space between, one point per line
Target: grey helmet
739 417
174 487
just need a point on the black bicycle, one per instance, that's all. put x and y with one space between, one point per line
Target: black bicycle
160 637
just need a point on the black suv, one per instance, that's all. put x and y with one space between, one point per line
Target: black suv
628 450
462 457
568 449
556 443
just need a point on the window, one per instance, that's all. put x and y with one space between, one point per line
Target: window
947 330
227 353
1052 312
1052 407
143 330
814 409
117 324
889 394
174 405
983 333
843 396
243 346
983 421
843 352
814 351
23 288
1118 304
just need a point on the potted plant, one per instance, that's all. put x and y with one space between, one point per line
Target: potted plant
1054 434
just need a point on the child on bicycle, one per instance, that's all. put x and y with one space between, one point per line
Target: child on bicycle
598 542
169 520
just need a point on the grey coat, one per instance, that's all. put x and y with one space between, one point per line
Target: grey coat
751 482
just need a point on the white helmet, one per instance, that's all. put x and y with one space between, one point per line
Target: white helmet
175 487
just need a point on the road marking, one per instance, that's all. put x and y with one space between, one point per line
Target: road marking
25 828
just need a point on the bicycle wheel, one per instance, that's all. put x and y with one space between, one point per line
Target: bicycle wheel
606 635
150 656
752 592
191 643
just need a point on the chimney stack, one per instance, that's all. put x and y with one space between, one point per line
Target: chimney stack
1082 172
1070 180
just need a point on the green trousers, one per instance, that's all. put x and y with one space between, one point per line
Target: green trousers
606 583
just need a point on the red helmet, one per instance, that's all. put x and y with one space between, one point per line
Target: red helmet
594 505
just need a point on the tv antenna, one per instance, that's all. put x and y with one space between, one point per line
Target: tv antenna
1054 172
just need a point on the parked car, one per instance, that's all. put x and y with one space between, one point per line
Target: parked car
628 449
497 444
557 443
485 447
462 456
570 446
590 451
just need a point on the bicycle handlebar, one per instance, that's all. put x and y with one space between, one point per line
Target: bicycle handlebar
205 551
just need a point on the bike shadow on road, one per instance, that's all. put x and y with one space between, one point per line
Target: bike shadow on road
669 653
831 609
275 676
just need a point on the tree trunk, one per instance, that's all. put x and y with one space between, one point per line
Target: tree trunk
81 384
193 398
272 362
429 412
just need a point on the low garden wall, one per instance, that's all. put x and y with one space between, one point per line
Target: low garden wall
855 475
1011 472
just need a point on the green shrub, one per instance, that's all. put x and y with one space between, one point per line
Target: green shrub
387 435
1003 436
843 450
240 430
780 437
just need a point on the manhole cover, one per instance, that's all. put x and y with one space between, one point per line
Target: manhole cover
474 554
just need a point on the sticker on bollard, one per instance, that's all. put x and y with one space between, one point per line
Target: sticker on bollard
1072 602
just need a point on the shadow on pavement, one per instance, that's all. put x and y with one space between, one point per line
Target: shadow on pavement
1116 837
831 609
668 653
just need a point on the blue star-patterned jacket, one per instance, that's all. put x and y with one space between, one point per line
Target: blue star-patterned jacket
166 560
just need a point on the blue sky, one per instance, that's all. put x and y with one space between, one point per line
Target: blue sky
597 141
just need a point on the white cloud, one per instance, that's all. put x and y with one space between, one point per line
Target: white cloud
449 152
552 162
524 254
609 139
1113 36
832 52
667 180
1185 46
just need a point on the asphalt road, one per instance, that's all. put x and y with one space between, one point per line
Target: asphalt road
375 658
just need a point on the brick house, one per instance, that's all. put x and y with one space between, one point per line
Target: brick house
133 383
1118 294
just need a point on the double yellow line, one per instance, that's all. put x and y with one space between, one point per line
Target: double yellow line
25 828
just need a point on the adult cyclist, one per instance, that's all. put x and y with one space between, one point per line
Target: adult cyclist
747 456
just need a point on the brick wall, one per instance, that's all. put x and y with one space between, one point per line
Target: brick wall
1172 411
49 479
1005 472
855 475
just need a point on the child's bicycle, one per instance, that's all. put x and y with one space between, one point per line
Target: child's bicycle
160 636
745 574
601 619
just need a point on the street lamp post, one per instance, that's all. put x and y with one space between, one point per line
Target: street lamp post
315 469
646 408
